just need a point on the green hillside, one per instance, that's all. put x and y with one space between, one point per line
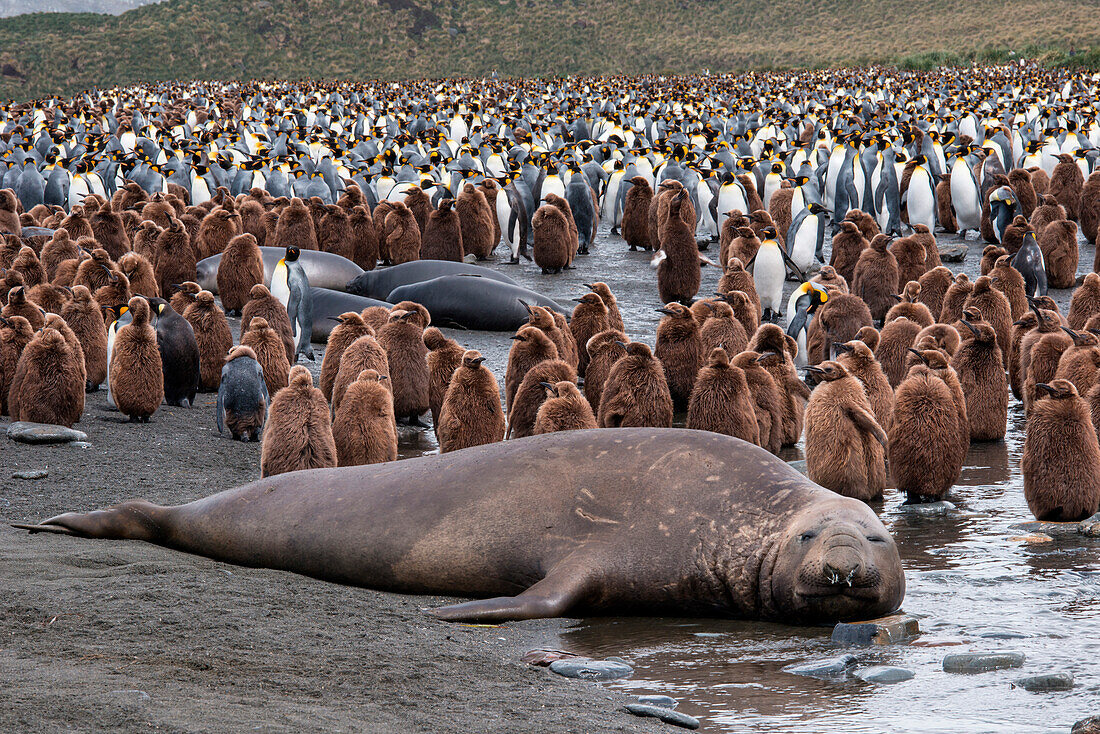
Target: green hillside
44 54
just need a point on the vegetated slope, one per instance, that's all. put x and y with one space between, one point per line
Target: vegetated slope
185 39
9 8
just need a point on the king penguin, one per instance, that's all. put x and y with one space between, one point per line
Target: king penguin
802 304
290 285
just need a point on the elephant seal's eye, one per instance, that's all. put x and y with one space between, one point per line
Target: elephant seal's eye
876 539
809 535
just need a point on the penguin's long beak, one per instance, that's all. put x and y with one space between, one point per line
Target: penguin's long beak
665 311
973 329
815 369
844 347
919 355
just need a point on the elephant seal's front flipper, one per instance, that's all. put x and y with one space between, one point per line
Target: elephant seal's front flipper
563 588
135 520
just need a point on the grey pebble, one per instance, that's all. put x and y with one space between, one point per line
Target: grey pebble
591 669
884 674
981 662
1046 682
31 474
40 433
665 702
927 509
80 445
953 253
826 668
666 715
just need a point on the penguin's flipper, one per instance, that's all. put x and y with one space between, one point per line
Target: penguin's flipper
790 263
219 413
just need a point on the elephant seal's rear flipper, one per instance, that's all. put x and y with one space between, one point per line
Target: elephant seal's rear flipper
129 521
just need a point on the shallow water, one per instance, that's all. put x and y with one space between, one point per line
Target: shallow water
973 581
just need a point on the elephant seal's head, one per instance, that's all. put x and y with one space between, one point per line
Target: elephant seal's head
834 561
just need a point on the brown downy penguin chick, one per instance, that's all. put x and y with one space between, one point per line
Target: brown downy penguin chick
9 279
1049 210
1045 322
551 248
1080 362
989 257
60 248
1088 212
488 186
955 299
979 366
868 335
567 210
50 298
769 338
381 211
1010 282
28 264
241 268
47 384
604 349
766 397
700 310
1039 180
759 221
295 227
744 246
364 430
732 225
868 227
635 225
564 409
145 241
910 306
859 359
365 353
252 220
590 317
848 245
829 279
15 334
175 262
721 401
838 320
217 229
270 353
442 237
940 363
1013 237
995 311
925 459
9 212
474 216
1085 302
97 271
680 350
945 214
110 232
298 432
213 337
1043 366
364 238
636 392
20 305
77 224
402 234
545 320
531 395
137 377
723 330
743 310
944 337
911 257
895 339
933 288
183 295
1020 181
115 294
1020 328
569 344
1061 462
530 345
85 318
614 318
844 442
403 340
444 357
780 207
334 233
678 274
471 414
875 278
262 304
736 278
349 327
139 272
1058 241
1066 183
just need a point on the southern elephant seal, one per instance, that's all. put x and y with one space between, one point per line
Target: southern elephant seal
379 282
474 302
328 304
630 520
324 269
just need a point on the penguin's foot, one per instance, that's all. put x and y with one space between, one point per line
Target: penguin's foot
546 271
89 387
514 260
633 249
615 230
185 403
583 251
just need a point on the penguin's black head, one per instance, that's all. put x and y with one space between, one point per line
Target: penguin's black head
292 254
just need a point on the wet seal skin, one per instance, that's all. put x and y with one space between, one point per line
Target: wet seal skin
696 524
